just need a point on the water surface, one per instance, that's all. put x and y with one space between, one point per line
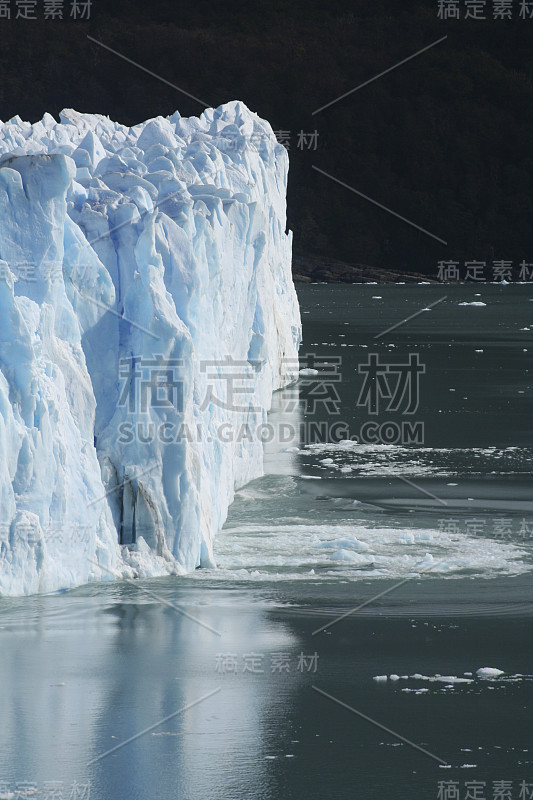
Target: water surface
345 562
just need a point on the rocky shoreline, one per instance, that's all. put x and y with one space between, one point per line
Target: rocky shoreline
311 269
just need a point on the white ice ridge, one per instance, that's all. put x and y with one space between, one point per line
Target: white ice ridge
135 264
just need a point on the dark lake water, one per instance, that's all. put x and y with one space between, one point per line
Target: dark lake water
350 560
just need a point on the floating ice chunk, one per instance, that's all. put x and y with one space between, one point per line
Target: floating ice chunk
348 556
489 672
406 538
448 679
351 543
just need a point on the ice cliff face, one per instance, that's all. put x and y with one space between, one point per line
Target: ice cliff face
147 313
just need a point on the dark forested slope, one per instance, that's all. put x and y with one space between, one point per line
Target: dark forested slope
445 140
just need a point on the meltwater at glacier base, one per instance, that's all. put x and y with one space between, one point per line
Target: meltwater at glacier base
135 261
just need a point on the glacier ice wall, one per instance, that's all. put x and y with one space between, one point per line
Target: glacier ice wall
147 313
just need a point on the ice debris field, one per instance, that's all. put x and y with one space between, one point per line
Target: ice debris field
123 249
489 678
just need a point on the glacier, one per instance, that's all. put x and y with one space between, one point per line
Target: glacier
147 315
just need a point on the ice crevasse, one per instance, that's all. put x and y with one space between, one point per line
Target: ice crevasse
146 303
